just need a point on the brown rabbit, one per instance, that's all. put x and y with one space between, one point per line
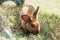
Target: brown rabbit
29 21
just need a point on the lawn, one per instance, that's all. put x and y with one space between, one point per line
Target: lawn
50 25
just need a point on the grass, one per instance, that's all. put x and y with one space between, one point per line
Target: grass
50 26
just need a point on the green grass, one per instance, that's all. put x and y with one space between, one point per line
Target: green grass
49 26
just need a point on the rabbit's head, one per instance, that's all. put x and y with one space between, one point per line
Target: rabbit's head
30 17
32 22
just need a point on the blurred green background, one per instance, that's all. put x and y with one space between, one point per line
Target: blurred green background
48 17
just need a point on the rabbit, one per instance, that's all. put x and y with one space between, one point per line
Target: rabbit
29 20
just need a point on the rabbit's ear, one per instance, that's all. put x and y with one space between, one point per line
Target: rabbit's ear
25 18
35 13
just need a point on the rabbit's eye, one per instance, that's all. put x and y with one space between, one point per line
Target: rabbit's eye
32 25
